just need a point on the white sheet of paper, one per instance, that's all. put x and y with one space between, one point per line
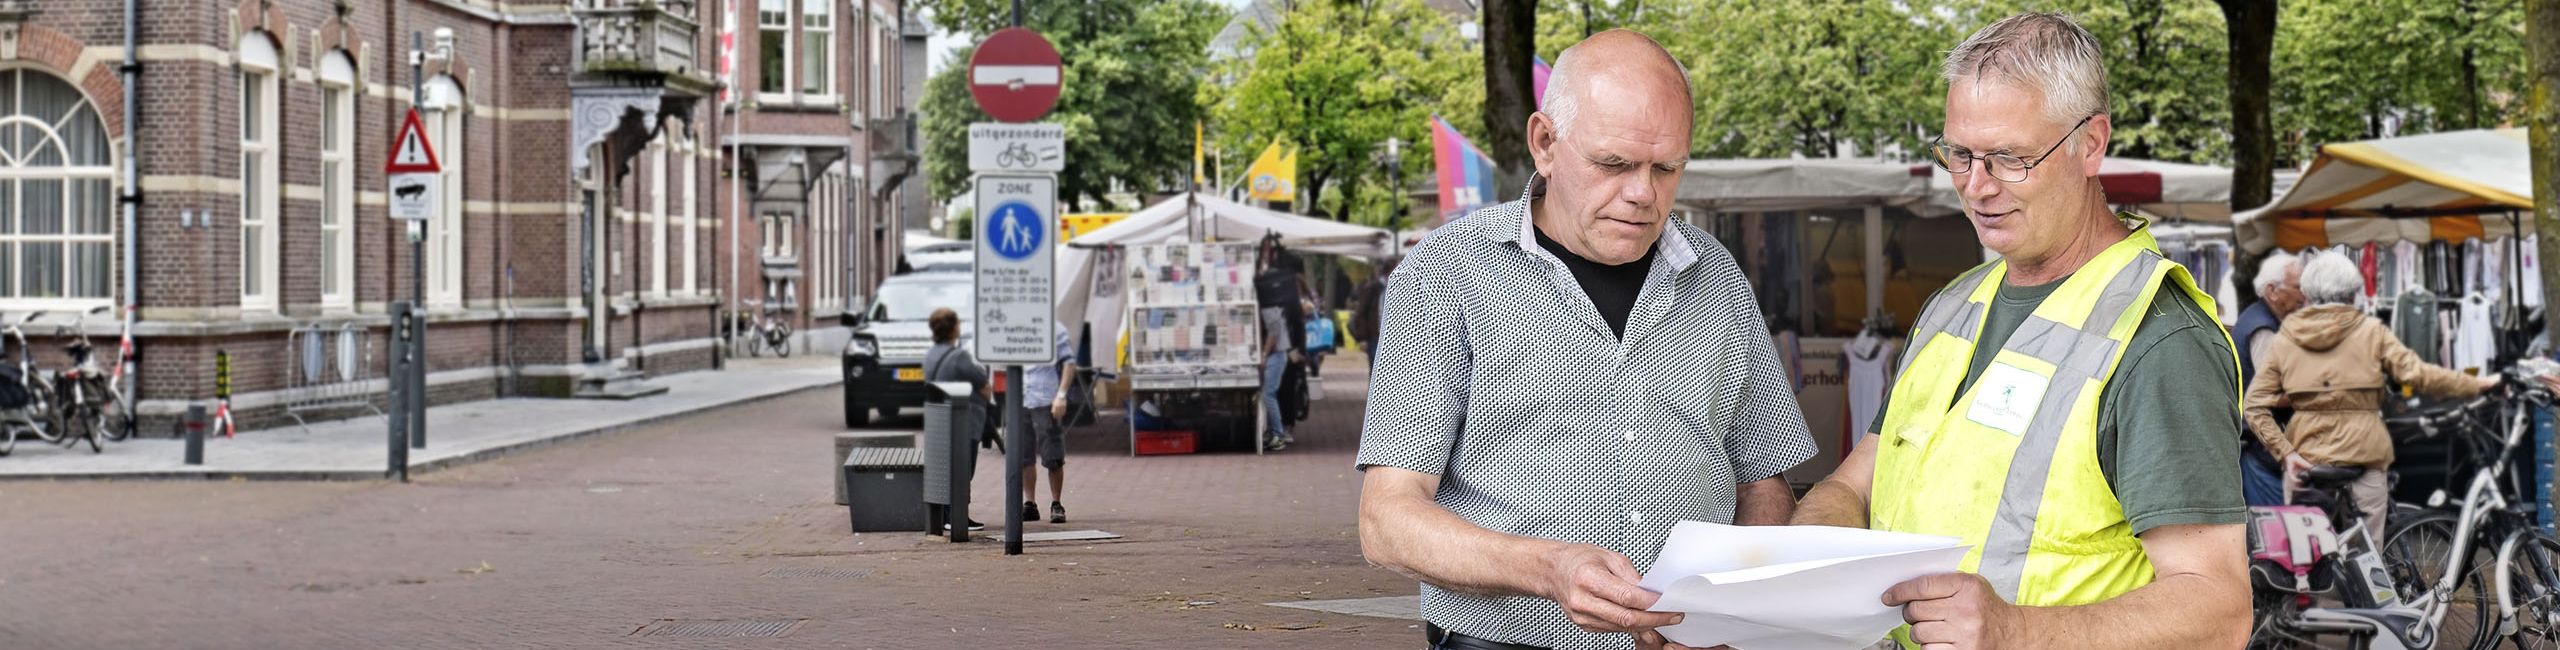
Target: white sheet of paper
1789 587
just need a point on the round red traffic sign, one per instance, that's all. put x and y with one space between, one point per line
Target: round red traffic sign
1015 75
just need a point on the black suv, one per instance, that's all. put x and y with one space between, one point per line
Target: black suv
884 362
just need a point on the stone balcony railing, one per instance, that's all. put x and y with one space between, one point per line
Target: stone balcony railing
627 41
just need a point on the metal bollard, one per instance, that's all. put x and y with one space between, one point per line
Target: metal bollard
195 434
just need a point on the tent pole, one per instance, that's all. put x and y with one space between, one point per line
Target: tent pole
1875 261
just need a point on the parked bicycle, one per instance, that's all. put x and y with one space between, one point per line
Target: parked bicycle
770 333
2477 577
26 395
85 395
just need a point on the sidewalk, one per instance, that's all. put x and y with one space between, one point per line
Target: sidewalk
357 449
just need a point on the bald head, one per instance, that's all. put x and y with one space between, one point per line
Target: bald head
1625 62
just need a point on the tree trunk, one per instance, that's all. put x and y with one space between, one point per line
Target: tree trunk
2542 114
2251 26
1510 40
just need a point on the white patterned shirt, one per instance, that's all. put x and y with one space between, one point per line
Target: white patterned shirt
1498 375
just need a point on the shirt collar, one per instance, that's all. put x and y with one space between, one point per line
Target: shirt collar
1674 246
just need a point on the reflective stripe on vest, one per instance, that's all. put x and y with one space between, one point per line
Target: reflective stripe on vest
2077 354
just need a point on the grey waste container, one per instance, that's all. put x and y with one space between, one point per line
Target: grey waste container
886 486
950 433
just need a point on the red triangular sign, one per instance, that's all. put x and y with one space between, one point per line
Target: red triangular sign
410 153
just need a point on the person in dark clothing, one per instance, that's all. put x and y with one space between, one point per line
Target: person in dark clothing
1364 312
947 361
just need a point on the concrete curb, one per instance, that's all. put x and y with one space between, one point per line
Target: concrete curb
416 467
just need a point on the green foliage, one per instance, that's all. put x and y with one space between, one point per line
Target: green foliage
1336 80
1131 88
2361 69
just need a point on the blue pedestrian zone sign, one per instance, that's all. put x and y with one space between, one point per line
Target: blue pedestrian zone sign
1015 230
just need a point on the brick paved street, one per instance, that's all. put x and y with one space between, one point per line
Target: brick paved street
723 515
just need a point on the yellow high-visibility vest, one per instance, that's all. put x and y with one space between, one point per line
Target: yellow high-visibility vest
2011 465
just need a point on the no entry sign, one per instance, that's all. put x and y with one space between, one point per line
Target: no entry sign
1014 75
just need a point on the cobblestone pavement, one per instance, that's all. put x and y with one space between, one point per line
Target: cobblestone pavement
725 515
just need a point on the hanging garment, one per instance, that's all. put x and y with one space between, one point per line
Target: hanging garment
2529 270
2412 262
1870 358
2413 321
2369 263
2475 340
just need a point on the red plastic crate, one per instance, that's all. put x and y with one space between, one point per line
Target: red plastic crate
1159 443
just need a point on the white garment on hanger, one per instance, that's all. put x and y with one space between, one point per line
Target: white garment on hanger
1871 361
2412 263
2529 254
2475 342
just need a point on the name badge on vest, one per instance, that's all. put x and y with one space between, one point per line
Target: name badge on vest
2006 398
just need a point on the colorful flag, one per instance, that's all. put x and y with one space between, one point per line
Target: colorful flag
1539 71
1273 176
728 49
1465 173
1199 157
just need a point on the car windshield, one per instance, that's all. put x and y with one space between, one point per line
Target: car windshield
917 300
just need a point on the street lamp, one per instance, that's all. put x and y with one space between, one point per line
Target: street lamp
1394 160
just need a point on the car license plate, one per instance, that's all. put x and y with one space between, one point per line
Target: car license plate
910 374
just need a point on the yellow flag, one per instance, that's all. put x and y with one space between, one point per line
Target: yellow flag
1199 158
1273 176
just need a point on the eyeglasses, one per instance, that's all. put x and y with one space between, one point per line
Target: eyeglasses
2006 167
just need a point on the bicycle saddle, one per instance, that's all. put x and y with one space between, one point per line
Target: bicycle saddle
2330 476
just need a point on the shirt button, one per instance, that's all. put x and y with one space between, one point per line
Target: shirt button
1636 518
1631 436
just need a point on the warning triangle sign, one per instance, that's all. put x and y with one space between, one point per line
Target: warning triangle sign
410 153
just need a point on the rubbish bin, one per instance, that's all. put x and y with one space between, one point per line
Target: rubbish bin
950 428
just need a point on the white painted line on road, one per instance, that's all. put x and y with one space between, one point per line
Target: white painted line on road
1395 607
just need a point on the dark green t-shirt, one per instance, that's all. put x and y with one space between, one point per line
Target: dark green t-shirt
2169 425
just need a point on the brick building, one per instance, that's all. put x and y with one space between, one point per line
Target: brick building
228 186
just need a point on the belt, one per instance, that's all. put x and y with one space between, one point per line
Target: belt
1442 639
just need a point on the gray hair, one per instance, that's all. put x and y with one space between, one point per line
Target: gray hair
1560 103
2044 52
2271 271
2329 278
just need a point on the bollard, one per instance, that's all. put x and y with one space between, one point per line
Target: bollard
195 434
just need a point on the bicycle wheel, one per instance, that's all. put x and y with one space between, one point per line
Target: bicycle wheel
2417 554
114 420
2533 587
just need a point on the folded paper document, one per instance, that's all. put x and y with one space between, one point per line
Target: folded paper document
1789 587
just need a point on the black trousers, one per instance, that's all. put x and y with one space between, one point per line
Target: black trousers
1441 639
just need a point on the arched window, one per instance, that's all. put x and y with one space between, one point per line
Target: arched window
338 87
443 105
259 184
57 199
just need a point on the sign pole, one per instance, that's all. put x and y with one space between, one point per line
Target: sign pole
1015 77
417 271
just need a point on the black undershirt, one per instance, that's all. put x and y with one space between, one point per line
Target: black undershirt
1612 289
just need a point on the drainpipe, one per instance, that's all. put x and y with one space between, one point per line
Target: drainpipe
131 198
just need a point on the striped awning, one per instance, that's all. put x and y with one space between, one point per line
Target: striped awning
2447 186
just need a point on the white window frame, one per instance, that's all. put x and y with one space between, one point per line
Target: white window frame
879 72
788 71
691 152
259 75
446 122
17 173
814 11
338 87
661 156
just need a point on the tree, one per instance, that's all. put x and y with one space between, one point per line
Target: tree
1775 78
1335 80
2361 69
1129 97
2251 27
1510 33
2542 29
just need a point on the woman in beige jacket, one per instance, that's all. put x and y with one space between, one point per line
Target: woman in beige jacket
2328 366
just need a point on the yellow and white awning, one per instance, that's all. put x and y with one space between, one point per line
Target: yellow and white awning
2447 186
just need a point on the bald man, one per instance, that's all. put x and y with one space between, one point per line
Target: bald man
1564 377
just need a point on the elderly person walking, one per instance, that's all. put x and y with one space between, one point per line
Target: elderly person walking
2328 366
2279 284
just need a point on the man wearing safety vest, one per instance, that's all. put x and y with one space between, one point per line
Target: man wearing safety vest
2070 411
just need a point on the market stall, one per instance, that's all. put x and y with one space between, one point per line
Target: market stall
1174 281
2442 225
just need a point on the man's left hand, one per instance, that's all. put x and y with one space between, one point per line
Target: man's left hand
1058 409
1952 611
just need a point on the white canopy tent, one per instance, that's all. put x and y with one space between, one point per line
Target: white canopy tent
2434 187
1187 217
